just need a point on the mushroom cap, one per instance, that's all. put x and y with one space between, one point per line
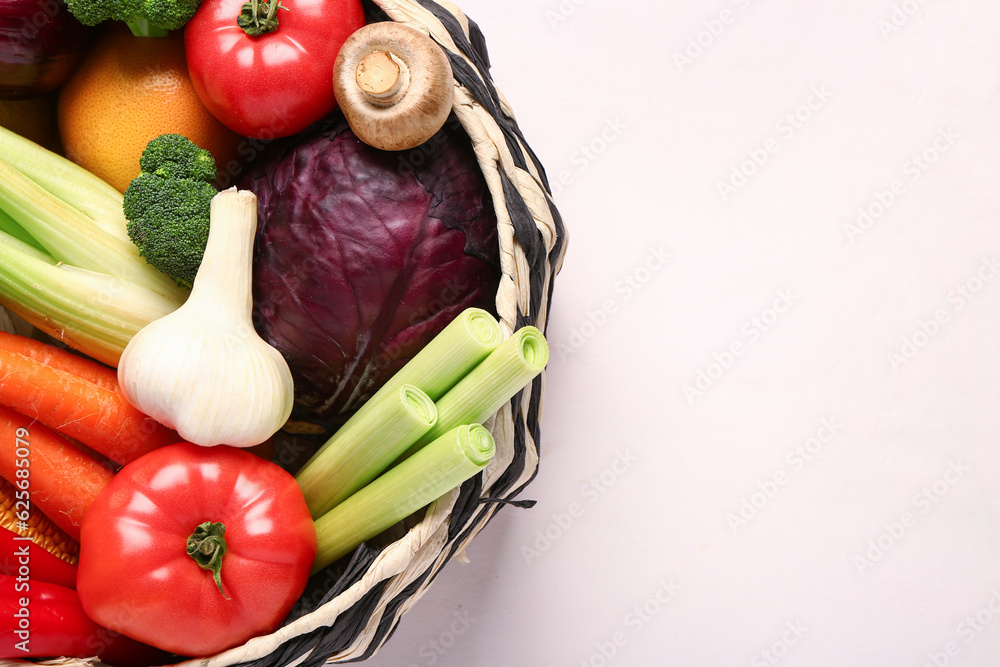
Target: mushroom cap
402 108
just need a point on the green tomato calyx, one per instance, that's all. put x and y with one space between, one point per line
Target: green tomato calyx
207 546
259 17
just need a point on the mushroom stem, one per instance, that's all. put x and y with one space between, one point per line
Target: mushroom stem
394 85
382 77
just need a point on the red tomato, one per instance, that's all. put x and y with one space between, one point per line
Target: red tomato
275 84
135 575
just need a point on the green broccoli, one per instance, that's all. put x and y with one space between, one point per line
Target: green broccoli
146 18
168 205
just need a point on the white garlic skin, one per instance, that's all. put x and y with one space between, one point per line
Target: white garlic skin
232 388
203 370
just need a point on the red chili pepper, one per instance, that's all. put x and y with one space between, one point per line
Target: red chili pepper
20 556
43 620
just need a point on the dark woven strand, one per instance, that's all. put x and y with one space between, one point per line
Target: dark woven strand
468 76
389 621
558 248
465 505
346 629
474 47
530 238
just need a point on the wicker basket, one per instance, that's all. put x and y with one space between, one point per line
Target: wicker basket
349 611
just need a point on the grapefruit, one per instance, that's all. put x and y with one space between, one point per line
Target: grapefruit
127 91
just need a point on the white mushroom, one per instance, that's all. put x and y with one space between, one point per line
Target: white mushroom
394 85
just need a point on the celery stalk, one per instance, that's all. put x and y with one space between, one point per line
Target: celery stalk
10 226
92 312
70 236
442 465
364 446
66 180
450 355
478 395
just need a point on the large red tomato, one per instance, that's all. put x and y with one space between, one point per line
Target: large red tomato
226 506
277 83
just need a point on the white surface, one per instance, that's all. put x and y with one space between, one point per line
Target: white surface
880 548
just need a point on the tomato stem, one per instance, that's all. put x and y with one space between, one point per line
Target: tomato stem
259 17
207 546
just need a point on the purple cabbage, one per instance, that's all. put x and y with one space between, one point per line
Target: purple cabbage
362 256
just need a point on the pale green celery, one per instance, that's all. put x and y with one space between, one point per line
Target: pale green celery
450 355
70 236
66 180
8 225
364 446
92 312
441 466
478 395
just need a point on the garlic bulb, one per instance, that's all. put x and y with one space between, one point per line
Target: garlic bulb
203 370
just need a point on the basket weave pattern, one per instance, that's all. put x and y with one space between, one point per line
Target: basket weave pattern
352 611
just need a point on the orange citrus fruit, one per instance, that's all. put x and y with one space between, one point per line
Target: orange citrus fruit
127 91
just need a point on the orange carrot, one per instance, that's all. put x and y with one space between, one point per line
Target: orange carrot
61 480
100 419
60 359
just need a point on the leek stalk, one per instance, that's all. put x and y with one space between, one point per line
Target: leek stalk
450 355
399 413
367 443
432 472
478 395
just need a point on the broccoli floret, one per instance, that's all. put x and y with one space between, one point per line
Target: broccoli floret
169 14
176 156
145 17
168 205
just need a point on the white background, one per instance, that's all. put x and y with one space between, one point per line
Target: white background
781 445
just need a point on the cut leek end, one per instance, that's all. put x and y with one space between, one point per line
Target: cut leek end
418 404
532 347
476 443
482 327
